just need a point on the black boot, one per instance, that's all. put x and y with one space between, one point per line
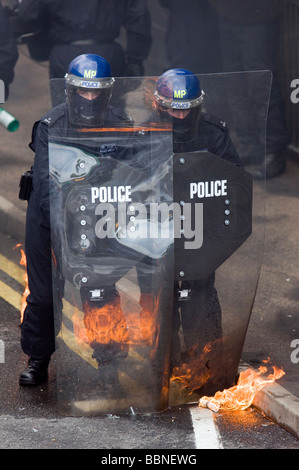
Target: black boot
35 373
275 165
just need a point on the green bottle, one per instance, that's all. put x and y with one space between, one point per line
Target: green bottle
8 120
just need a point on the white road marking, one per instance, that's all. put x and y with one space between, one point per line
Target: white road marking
206 435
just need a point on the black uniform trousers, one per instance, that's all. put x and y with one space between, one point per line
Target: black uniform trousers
37 329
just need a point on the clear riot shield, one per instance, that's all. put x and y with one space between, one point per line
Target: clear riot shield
112 246
128 273
219 254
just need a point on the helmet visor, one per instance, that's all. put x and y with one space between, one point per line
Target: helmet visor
83 110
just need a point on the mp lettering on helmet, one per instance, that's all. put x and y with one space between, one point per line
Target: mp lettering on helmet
90 73
179 93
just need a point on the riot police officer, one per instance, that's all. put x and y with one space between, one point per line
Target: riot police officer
193 130
179 94
87 105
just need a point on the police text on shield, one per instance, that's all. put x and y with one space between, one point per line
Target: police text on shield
120 216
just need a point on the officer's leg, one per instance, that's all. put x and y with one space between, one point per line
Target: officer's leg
202 330
201 315
156 295
37 329
106 331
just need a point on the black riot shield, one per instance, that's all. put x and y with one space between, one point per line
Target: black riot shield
113 258
219 243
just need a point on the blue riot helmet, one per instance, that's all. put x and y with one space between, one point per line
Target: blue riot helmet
88 89
176 90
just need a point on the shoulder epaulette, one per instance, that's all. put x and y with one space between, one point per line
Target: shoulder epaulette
214 120
120 114
52 116
49 119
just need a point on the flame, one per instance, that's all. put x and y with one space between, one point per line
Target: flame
23 262
149 97
202 362
113 323
241 396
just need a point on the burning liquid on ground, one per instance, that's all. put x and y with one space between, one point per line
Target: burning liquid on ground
241 396
200 370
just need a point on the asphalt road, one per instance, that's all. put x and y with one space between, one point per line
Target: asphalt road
29 418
